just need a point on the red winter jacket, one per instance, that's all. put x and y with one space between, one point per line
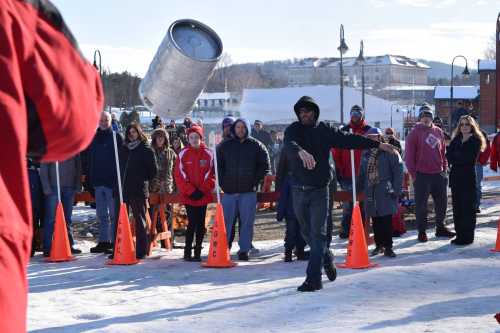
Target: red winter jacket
50 99
495 153
194 169
342 157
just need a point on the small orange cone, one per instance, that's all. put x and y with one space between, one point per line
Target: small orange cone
218 255
60 249
357 250
124 252
497 247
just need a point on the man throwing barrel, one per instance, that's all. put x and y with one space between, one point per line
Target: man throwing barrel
308 142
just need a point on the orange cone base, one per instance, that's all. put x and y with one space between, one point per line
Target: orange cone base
60 259
226 265
345 265
129 263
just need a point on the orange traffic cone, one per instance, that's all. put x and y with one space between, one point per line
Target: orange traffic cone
357 250
124 252
60 249
218 255
497 247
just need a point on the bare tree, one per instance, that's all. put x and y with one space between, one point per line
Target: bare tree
490 52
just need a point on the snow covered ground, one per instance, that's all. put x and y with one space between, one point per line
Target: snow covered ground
431 287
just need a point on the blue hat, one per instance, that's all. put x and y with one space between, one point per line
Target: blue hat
227 121
374 131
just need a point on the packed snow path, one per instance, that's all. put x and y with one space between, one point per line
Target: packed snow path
431 287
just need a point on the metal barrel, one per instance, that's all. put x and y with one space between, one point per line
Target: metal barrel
181 68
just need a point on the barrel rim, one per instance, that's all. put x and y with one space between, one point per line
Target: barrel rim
201 25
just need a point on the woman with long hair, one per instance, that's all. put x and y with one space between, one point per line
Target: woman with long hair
163 182
138 168
195 178
462 154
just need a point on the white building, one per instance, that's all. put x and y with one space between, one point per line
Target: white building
380 71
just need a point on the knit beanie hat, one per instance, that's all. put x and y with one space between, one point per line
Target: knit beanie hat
195 129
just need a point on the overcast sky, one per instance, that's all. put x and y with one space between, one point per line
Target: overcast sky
128 32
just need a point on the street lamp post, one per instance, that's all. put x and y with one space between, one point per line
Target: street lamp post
342 49
97 65
361 61
397 110
465 73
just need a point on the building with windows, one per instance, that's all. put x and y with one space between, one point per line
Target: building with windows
380 71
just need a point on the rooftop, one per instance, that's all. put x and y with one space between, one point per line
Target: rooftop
486 65
459 92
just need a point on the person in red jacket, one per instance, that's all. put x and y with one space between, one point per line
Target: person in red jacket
495 153
50 99
195 179
482 160
342 158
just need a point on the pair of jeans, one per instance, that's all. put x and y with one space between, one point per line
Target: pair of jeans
436 186
244 205
106 213
67 200
479 179
310 206
382 230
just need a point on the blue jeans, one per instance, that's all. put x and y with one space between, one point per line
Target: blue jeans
67 199
311 209
105 211
479 179
244 205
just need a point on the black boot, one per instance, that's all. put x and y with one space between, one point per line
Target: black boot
444 232
389 253
308 286
197 254
288 255
101 247
330 269
187 253
302 255
377 250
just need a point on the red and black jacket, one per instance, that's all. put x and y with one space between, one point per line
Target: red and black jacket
194 169
342 157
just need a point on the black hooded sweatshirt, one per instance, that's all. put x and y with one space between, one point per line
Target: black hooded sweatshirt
317 140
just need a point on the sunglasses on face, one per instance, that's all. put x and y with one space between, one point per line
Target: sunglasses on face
355 114
389 133
465 124
305 111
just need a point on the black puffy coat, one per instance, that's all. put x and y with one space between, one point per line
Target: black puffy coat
463 157
138 167
241 164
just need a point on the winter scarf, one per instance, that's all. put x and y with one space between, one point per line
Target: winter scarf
133 144
372 167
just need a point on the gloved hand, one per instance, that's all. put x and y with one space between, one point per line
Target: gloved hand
196 195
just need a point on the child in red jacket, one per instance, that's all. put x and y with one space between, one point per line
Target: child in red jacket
195 179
